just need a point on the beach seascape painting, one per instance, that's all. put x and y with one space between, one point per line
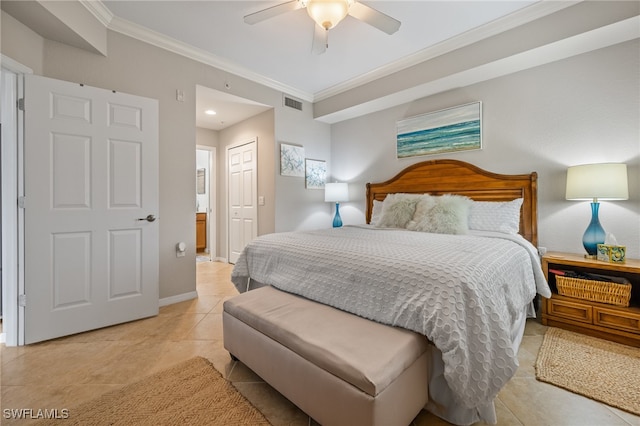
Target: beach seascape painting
453 129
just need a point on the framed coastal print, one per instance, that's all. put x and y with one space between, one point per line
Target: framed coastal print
291 160
315 174
449 130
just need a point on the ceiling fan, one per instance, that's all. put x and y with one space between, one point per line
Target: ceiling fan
327 14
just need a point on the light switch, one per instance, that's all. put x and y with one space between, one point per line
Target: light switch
261 200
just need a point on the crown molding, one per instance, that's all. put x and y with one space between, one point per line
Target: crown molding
125 27
609 35
513 20
146 35
13 65
99 10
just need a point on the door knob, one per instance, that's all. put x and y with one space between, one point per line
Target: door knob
149 218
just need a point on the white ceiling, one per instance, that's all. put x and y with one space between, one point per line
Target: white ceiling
277 52
229 109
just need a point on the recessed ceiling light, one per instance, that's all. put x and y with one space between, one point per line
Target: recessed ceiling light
210 112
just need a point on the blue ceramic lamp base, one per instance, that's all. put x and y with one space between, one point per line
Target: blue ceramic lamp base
594 234
337 220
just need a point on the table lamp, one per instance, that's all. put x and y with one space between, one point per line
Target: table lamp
335 193
606 181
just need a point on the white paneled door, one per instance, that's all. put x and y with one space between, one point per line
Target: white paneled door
91 201
243 183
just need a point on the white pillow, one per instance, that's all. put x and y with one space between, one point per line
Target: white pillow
376 212
397 210
446 214
496 216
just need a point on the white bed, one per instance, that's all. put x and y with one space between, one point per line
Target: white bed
468 292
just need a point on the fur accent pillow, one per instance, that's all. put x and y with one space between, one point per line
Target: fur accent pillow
426 203
397 210
446 214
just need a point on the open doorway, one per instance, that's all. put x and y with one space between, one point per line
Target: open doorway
222 120
206 205
11 120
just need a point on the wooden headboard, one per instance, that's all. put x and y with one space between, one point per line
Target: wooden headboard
457 177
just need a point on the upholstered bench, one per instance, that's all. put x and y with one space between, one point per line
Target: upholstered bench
339 368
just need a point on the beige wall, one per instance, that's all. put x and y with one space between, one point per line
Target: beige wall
579 110
467 62
207 137
298 208
567 112
262 129
140 69
29 51
134 67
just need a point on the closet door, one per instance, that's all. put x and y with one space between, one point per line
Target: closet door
242 196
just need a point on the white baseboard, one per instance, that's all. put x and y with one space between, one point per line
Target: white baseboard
185 296
178 298
3 338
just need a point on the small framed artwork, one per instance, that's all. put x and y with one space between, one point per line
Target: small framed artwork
315 174
200 185
291 160
449 130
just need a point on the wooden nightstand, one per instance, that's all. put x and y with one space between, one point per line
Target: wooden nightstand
620 324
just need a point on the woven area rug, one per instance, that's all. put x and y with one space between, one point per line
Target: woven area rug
190 393
604 371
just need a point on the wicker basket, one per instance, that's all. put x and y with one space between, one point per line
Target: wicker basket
597 291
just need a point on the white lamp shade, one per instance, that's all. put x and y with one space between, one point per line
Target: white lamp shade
327 13
336 192
607 181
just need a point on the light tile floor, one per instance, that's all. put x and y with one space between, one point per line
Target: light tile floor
64 372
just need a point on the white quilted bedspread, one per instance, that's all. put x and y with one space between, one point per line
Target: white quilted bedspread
462 291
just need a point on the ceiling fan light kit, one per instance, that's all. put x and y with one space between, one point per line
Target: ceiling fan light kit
327 14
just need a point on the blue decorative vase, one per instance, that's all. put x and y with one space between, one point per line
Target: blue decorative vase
337 220
594 234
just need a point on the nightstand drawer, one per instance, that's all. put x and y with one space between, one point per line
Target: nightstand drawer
570 310
628 321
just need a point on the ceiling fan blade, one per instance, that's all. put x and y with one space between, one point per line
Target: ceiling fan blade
320 39
374 18
272 11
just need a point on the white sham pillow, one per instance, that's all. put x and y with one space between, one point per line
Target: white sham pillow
445 214
376 212
397 210
496 216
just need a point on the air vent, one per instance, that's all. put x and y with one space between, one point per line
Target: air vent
292 103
